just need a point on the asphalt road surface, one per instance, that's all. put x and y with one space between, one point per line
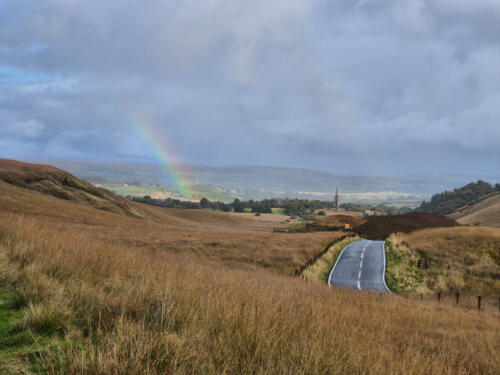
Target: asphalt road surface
361 265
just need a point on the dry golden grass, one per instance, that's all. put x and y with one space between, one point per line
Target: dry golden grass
486 212
196 292
61 184
463 259
235 240
272 219
120 310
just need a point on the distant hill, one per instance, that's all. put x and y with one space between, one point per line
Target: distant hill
486 212
256 182
450 201
58 183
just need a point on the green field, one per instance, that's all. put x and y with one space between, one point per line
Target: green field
190 192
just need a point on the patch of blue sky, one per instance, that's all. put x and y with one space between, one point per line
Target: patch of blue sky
37 47
16 76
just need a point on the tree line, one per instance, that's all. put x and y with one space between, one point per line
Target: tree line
291 207
449 201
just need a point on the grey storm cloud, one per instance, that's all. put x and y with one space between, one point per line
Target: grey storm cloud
348 86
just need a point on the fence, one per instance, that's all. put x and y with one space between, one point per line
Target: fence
464 300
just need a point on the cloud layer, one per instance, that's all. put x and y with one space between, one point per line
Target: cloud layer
380 87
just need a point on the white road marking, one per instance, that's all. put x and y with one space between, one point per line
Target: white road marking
361 265
360 270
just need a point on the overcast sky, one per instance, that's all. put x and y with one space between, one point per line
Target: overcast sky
359 87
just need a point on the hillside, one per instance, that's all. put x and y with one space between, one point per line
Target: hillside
233 238
463 259
486 212
58 183
449 201
84 290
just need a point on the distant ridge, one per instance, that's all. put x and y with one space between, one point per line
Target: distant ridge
258 182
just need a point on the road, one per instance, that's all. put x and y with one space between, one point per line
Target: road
361 265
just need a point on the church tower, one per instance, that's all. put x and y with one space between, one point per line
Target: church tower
337 202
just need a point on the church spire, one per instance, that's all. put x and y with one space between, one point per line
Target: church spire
337 202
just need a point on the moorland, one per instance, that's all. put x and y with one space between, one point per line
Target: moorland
93 283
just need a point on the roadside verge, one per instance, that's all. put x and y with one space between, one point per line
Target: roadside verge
320 270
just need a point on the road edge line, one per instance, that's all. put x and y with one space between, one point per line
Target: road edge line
385 260
335 265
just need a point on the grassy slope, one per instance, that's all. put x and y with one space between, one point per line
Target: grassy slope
486 212
125 311
186 291
236 240
459 258
58 183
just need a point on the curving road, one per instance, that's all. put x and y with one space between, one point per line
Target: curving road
361 265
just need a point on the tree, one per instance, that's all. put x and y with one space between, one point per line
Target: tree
204 203
238 206
497 187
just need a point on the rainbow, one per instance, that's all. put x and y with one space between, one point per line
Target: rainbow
160 148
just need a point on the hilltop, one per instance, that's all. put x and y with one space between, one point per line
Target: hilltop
58 183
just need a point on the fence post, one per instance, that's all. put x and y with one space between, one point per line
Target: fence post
479 302
458 297
439 296
498 304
